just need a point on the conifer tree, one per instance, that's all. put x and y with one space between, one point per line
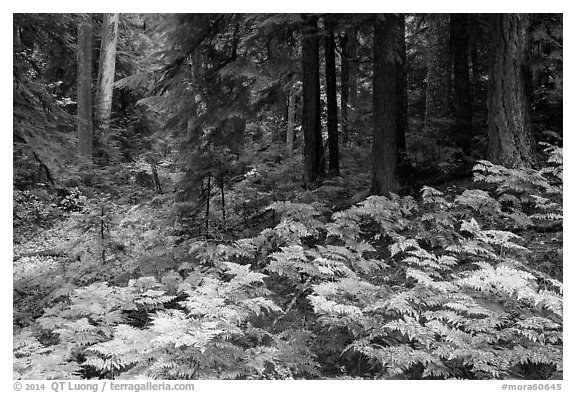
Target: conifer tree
510 139
106 70
402 101
344 86
331 96
292 96
462 134
311 111
84 93
348 85
385 96
353 70
438 74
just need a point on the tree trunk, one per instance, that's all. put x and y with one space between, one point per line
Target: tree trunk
106 70
462 130
438 75
208 193
344 85
102 233
510 139
282 114
223 201
474 71
537 73
402 84
477 87
16 34
386 33
331 97
238 132
311 125
352 39
291 120
84 93
156 178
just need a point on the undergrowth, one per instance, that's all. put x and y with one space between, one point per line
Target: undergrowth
429 287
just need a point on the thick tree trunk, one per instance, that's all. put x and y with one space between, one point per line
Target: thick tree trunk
106 70
331 98
510 139
311 111
291 120
462 131
438 75
402 84
386 32
84 93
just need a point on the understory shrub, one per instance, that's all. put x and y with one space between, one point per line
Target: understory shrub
431 287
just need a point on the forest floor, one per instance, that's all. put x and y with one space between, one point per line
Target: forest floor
87 237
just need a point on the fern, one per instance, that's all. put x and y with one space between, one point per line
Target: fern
519 189
205 333
393 287
442 316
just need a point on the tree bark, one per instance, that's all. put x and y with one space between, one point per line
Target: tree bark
352 45
402 83
106 70
510 139
476 84
291 120
208 192
537 73
438 75
238 133
311 111
462 130
344 84
44 253
16 34
282 114
331 97
223 201
385 95
84 93
156 178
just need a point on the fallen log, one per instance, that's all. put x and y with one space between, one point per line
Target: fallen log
553 226
43 253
